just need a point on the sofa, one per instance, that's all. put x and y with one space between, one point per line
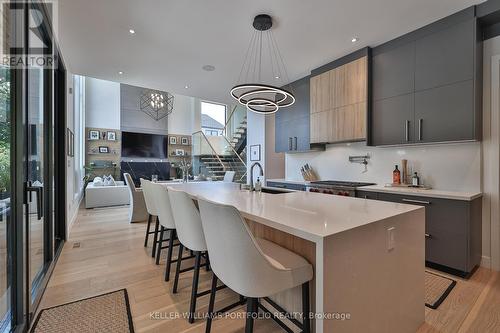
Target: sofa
106 196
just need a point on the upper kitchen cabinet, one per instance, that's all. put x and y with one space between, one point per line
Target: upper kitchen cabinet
339 100
438 70
394 72
292 132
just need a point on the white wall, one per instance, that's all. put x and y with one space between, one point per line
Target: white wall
74 173
446 167
183 119
491 154
102 103
256 135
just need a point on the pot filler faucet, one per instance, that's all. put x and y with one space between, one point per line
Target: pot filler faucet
252 188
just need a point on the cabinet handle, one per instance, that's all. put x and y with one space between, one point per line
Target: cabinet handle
420 121
428 236
407 130
290 143
295 143
416 201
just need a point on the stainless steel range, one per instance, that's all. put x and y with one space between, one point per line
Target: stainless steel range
347 189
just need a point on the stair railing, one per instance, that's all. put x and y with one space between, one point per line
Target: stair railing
214 152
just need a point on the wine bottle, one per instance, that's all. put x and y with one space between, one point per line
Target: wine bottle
396 176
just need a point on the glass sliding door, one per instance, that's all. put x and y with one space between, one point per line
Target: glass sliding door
32 163
5 199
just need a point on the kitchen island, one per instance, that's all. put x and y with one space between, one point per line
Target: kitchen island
368 256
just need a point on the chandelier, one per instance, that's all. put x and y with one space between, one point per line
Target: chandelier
261 70
156 104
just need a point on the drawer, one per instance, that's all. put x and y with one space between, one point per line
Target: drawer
367 195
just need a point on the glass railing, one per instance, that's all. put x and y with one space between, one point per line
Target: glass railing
236 117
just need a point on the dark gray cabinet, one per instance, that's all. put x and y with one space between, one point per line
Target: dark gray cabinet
292 126
452 230
430 78
446 56
289 186
367 195
433 119
394 72
393 120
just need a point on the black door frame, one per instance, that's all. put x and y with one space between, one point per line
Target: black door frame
18 237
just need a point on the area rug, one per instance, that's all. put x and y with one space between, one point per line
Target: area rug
108 313
437 288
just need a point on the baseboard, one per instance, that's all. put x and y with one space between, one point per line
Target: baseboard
486 262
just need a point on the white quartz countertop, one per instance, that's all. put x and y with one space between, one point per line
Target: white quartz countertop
467 196
312 216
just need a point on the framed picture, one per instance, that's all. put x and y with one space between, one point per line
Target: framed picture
255 153
103 135
185 141
103 150
111 136
93 135
173 140
179 152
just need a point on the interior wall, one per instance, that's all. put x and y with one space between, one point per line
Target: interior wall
454 167
102 103
275 162
74 173
256 135
491 153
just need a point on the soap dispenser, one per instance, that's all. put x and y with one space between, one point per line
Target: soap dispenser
258 185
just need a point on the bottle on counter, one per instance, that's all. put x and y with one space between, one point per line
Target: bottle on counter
258 185
404 171
415 180
396 176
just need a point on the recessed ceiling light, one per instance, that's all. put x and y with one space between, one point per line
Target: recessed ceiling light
354 39
186 86
276 77
120 72
208 68
132 31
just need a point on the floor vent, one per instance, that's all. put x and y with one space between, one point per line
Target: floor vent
76 245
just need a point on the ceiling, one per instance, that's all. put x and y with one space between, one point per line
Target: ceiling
175 39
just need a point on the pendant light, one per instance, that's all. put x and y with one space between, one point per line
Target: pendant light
262 69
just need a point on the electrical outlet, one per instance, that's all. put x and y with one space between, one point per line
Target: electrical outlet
391 238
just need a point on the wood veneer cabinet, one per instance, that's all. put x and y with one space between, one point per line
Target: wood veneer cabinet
339 103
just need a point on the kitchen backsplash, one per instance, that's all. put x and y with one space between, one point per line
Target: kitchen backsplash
454 167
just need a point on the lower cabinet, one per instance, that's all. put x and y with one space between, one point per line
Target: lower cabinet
452 230
289 186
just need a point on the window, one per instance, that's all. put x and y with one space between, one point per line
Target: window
213 118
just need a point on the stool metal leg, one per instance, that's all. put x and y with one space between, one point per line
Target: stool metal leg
211 304
251 312
194 290
306 308
155 239
159 243
178 268
147 230
169 254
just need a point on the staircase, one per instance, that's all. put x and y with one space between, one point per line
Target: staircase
213 156
239 137
211 166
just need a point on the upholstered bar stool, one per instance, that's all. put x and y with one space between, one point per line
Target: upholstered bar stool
152 213
190 233
253 267
137 211
160 194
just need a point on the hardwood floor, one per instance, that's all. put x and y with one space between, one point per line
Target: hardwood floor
111 256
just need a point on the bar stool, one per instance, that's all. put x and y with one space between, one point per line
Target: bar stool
160 195
188 228
152 211
253 267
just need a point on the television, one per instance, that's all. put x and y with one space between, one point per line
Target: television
144 145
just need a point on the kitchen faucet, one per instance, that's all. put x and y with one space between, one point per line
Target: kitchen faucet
252 188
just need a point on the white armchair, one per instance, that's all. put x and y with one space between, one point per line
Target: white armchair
138 211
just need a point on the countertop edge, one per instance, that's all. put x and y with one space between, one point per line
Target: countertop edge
429 193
